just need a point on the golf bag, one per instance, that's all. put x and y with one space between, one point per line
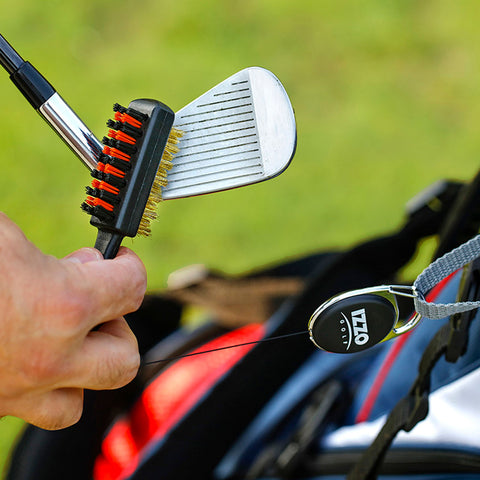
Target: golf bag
277 407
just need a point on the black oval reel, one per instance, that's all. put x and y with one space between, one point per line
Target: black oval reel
357 320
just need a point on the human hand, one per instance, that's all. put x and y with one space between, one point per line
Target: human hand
63 328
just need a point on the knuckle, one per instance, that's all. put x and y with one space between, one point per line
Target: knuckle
10 233
71 308
41 367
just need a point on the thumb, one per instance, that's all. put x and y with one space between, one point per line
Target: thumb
84 255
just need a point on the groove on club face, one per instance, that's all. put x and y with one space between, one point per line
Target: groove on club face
240 132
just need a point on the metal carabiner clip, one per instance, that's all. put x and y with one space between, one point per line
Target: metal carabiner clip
357 320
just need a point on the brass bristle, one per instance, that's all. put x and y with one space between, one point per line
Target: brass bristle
161 180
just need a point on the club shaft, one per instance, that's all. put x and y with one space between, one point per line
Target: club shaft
46 101
72 130
9 58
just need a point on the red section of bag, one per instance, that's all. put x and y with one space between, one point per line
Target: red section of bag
167 399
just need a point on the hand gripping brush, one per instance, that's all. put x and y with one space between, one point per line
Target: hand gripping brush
240 132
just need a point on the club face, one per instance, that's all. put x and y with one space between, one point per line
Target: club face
240 132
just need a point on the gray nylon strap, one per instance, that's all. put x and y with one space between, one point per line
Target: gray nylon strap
436 272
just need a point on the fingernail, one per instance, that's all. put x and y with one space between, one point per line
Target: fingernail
84 255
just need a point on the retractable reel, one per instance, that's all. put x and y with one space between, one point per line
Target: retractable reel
357 320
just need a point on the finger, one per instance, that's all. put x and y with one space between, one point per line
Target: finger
50 410
108 288
120 283
108 359
84 255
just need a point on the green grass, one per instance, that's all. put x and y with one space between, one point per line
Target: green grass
385 94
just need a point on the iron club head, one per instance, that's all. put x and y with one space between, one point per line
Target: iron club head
242 131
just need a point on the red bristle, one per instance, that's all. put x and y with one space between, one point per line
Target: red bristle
108 188
115 152
123 137
101 203
114 171
101 185
132 121
125 118
114 162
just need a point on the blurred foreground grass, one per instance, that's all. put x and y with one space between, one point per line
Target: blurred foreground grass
385 93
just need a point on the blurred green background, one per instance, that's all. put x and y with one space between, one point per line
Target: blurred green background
386 96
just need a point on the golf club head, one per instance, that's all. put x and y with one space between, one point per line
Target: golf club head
240 132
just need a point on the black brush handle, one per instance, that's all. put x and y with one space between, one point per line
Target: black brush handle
108 243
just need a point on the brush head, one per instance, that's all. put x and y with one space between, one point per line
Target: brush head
131 170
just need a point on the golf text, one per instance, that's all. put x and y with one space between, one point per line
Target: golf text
358 327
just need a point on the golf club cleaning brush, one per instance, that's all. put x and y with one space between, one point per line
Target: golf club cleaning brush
242 131
130 172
